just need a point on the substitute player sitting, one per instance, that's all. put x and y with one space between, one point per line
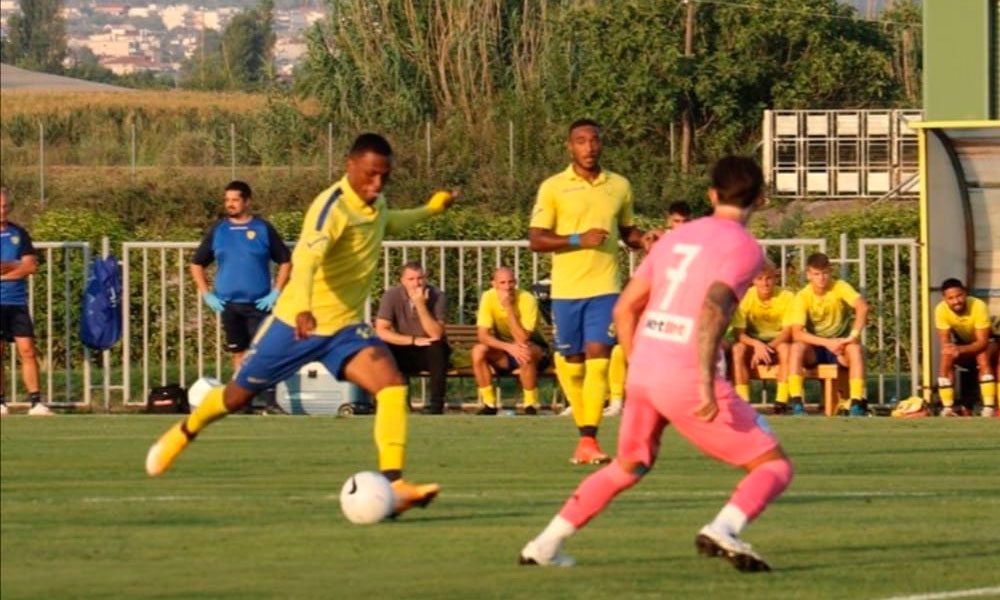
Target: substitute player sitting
823 332
510 338
761 335
963 328
320 316
670 319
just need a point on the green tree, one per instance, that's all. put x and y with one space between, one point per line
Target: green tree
247 48
36 36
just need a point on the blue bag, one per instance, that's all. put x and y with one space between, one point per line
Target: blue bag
101 315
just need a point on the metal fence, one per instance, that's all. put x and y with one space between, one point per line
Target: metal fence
168 335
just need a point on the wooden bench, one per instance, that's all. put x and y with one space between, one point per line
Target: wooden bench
834 378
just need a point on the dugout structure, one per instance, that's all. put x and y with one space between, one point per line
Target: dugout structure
959 154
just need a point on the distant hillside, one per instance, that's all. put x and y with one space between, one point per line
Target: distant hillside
14 79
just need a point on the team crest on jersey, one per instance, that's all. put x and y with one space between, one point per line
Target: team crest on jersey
612 332
15 239
364 332
251 234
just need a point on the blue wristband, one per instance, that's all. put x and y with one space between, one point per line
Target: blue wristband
574 240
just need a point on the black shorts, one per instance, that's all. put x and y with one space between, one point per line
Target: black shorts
240 321
15 322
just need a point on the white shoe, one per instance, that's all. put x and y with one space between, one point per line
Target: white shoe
613 409
4 411
988 411
712 542
40 410
567 412
533 554
948 412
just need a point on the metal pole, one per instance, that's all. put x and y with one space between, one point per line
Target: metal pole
427 141
510 147
843 256
41 163
106 355
232 147
133 159
329 151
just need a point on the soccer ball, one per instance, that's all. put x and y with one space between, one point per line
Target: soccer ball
367 498
199 389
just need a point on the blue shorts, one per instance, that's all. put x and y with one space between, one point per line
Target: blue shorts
585 320
824 356
275 354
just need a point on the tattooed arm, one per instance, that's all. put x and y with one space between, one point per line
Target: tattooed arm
717 310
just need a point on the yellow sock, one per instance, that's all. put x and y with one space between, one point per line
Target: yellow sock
616 374
782 395
743 391
489 398
390 428
946 391
570 377
212 408
595 390
988 388
856 388
531 397
795 386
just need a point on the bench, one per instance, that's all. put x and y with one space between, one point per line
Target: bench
834 378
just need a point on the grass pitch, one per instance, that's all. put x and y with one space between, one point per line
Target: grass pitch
879 508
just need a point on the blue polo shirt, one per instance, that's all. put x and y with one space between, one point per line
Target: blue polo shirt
14 244
244 252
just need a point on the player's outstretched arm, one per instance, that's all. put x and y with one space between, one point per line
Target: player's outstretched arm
399 220
716 312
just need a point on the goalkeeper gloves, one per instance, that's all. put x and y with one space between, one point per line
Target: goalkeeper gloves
441 200
213 301
267 302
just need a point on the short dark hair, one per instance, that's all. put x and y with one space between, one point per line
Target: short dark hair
240 186
413 265
583 123
679 207
951 282
737 180
818 260
370 142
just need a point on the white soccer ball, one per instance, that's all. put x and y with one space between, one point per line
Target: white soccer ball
367 498
199 389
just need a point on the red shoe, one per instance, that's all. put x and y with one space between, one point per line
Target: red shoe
588 452
410 494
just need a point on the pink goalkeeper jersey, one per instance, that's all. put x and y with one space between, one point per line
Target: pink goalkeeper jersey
680 268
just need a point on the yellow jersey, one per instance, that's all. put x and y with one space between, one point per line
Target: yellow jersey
763 319
963 325
568 204
492 315
334 261
827 315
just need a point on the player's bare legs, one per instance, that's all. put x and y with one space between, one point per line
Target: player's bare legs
374 370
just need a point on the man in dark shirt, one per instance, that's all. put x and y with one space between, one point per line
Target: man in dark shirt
411 321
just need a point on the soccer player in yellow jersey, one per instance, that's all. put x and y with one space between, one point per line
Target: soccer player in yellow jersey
824 333
580 215
963 328
509 338
762 338
320 316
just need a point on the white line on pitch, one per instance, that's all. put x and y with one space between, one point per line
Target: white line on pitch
956 594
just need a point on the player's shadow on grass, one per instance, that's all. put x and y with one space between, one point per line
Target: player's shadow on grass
419 518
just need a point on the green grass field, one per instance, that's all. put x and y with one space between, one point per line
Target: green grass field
879 508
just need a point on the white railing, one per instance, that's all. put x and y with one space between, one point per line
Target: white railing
168 335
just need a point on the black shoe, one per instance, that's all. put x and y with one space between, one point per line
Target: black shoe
487 410
273 409
432 410
859 408
780 408
530 410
